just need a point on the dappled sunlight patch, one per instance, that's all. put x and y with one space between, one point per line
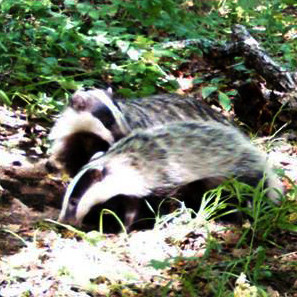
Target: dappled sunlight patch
69 265
185 248
174 255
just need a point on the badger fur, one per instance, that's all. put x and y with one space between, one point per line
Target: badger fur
160 160
93 122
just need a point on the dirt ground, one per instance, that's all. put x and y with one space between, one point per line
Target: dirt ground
41 258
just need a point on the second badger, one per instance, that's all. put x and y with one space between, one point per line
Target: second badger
160 160
94 121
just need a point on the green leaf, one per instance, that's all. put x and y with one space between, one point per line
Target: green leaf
288 226
84 8
247 4
69 3
127 93
94 14
207 91
68 83
160 264
289 2
4 98
3 47
216 80
225 101
232 93
147 90
51 61
198 80
240 67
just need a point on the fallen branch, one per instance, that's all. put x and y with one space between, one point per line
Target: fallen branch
255 57
21 177
281 84
29 182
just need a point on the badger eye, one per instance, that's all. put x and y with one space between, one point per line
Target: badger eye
95 175
73 202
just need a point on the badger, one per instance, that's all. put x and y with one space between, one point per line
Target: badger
160 160
94 121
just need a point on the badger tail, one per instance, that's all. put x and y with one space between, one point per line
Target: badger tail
274 183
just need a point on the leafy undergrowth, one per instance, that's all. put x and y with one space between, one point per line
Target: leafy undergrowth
51 48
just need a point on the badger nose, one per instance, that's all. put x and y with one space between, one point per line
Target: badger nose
51 167
69 216
69 221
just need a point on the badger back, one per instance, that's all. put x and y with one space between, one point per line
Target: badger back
160 160
178 153
165 108
190 150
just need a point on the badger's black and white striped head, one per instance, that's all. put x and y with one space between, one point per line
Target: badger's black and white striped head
99 181
91 123
99 103
84 179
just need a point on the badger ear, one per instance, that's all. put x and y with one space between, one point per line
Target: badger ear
96 175
109 91
96 156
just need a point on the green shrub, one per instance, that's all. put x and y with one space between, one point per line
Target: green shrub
51 47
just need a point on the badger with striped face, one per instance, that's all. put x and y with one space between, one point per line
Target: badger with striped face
160 160
94 121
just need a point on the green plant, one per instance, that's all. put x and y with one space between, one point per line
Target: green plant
50 48
107 211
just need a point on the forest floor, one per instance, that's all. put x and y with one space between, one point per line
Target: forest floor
181 256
